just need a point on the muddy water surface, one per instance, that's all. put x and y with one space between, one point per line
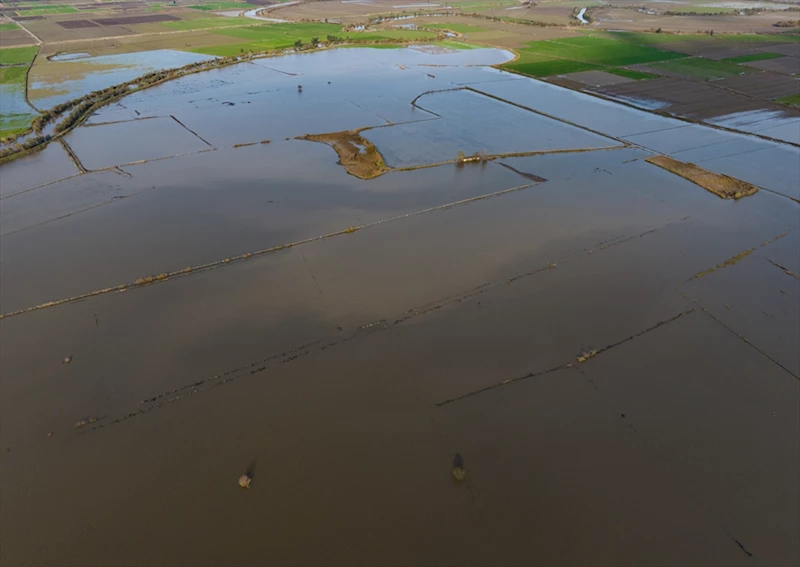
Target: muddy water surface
345 371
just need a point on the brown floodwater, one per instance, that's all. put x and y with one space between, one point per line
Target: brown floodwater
346 371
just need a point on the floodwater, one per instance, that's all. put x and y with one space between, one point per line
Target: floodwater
346 370
69 56
772 123
57 81
15 112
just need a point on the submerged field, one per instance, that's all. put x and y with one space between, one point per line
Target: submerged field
15 112
184 303
421 276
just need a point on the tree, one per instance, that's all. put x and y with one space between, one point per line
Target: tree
314 41
298 44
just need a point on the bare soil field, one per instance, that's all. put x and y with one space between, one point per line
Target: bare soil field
145 19
555 15
347 12
15 38
637 21
77 24
598 78
784 65
52 30
696 101
762 85
790 49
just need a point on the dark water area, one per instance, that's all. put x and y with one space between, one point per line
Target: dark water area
611 348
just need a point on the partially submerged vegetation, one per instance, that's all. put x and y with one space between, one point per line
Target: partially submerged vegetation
22 140
357 154
721 185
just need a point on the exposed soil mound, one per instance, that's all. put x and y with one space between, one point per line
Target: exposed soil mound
358 156
721 185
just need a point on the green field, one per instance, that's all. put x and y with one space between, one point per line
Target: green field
791 99
600 51
374 46
460 45
38 10
269 36
218 6
205 23
281 36
637 75
752 57
700 68
460 28
8 27
650 39
388 34
17 55
14 123
481 5
10 75
537 65
17 115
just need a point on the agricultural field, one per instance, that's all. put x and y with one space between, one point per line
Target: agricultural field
205 23
279 36
459 28
792 99
630 74
753 57
219 6
699 68
568 55
17 55
16 114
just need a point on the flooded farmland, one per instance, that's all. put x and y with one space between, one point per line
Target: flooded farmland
190 292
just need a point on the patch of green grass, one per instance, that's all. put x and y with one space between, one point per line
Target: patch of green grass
637 75
760 38
8 27
50 9
700 68
17 55
752 57
460 45
14 124
9 75
481 5
600 51
375 46
791 99
544 66
216 6
203 23
389 34
460 28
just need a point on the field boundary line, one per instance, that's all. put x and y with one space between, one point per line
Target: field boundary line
166 276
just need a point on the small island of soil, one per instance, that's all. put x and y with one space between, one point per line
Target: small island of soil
358 155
